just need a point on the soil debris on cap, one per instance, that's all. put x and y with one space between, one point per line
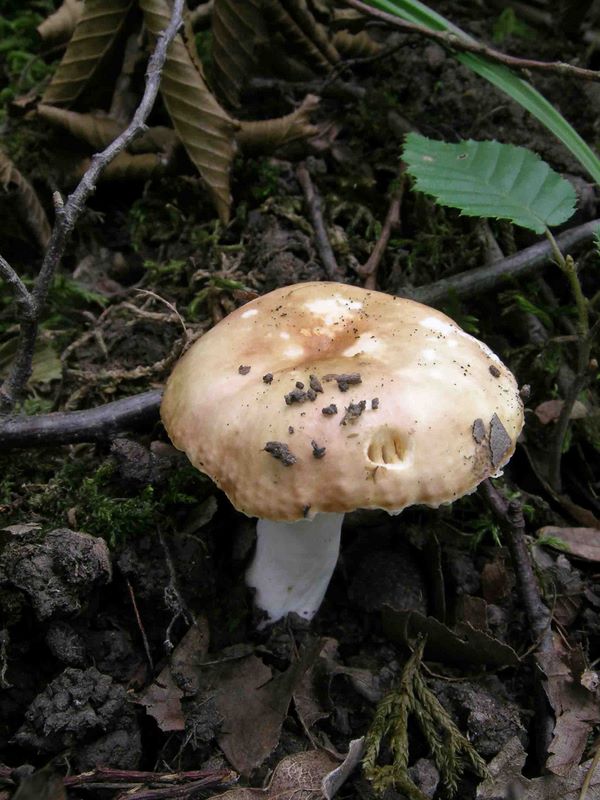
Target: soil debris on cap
315 383
500 441
494 371
353 412
478 431
375 404
290 429
329 411
318 452
281 452
299 385
268 378
295 396
525 392
244 369
345 380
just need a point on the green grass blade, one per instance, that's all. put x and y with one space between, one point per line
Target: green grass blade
490 179
503 78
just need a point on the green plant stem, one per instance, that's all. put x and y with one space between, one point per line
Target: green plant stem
585 340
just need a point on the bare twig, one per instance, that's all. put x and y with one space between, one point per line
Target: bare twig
68 215
91 425
466 44
140 625
484 279
368 271
313 201
510 516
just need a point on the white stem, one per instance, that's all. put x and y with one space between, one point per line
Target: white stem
293 564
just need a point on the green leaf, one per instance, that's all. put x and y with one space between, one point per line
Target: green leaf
490 179
502 77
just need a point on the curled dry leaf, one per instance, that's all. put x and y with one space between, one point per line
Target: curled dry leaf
311 28
269 134
204 128
302 776
462 644
236 27
581 542
59 26
506 780
95 33
294 37
99 130
356 45
126 167
549 411
28 204
576 709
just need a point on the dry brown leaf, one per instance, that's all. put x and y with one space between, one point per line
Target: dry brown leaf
126 167
236 28
280 21
99 130
505 779
253 707
356 45
580 542
59 26
205 129
296 777
576 709
312 29
97 30
549 411
28 204
162 699
268 134
462 644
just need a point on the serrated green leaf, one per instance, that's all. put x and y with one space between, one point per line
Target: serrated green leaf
501 77
490 179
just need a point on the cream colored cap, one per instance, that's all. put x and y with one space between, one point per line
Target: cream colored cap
323 397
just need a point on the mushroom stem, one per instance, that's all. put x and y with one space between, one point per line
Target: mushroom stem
293 564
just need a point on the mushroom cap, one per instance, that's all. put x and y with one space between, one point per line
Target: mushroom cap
425 411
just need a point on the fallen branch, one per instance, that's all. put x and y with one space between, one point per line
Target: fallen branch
484 279
90 425
67 216
467 45
313 201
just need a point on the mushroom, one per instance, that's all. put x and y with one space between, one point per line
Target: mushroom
348 399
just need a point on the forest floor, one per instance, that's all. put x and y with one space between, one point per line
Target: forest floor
128 639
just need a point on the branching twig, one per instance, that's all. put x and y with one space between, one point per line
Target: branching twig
484 279
68 215
313 201
465 44
90 425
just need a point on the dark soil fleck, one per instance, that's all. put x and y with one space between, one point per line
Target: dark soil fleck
353 412
315 384
375 404
244 369
268 378
281 452
344 381
500 441
494 371
329 411
318 452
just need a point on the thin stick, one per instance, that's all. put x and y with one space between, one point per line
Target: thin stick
368 271
68 215
313 201
465 44
484 279
140 624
